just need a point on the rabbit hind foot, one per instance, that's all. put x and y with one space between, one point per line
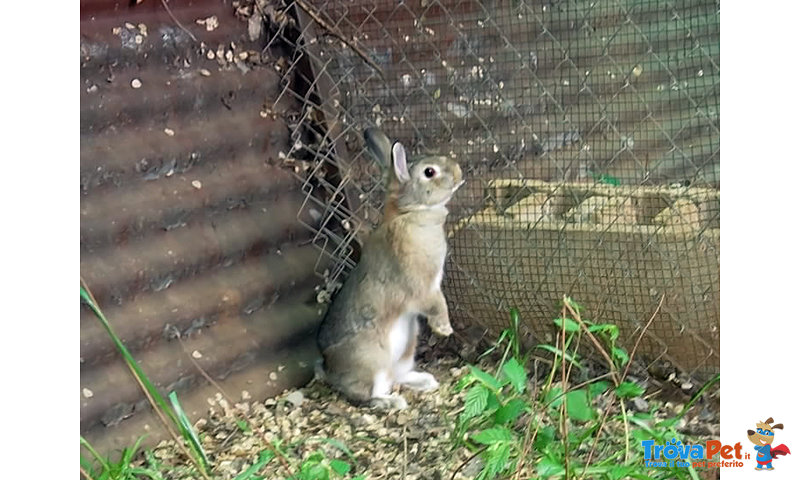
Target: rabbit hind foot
382 397
421 381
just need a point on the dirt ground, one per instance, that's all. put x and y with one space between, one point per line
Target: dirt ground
412 444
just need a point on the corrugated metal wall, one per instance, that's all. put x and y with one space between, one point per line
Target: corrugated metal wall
188 219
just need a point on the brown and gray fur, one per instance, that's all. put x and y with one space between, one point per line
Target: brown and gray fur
369 334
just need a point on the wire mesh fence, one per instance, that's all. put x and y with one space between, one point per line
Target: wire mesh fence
589 136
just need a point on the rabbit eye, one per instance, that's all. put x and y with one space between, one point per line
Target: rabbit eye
429 172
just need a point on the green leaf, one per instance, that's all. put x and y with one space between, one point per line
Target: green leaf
87 465
544 438
475 401
619 472
492 436
548 467
510 411
85 297
314 471
340 466
619 354
464 382
607 328
187 431
315 457
506 332
570 325
557 352
243 426
667 423
337 444
578 407
640 435
496 458
553 397
147 472
628 390
485 378
514 318
515 374
598 388
264 457
492 403
85 443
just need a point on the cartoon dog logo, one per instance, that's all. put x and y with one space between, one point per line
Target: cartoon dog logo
763 438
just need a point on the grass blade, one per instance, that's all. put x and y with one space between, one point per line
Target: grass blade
97 456
126 354
157 400
264 458
186 429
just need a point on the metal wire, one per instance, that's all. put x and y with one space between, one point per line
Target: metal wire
588 131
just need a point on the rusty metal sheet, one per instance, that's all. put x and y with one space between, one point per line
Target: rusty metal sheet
189 222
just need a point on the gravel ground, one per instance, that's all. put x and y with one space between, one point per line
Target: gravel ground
410 444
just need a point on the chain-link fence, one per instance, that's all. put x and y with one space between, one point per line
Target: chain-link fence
589 136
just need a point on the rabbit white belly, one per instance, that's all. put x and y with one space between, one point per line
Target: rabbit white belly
401 345
400 335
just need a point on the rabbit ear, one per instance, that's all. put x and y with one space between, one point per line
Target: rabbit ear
399 162
379 145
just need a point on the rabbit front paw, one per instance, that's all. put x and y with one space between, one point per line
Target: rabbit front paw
424 382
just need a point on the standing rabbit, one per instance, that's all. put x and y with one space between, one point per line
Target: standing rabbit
369 334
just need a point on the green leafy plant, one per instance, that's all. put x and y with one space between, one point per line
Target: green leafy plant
102 468
557 429
317 466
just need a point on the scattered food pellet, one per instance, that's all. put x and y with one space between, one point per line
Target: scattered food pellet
205 72
170 132
245 395
197 354
136 83
138 39
211 22
92 89
273 376
88 393
196 184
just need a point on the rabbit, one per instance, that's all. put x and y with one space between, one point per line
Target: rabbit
368 336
